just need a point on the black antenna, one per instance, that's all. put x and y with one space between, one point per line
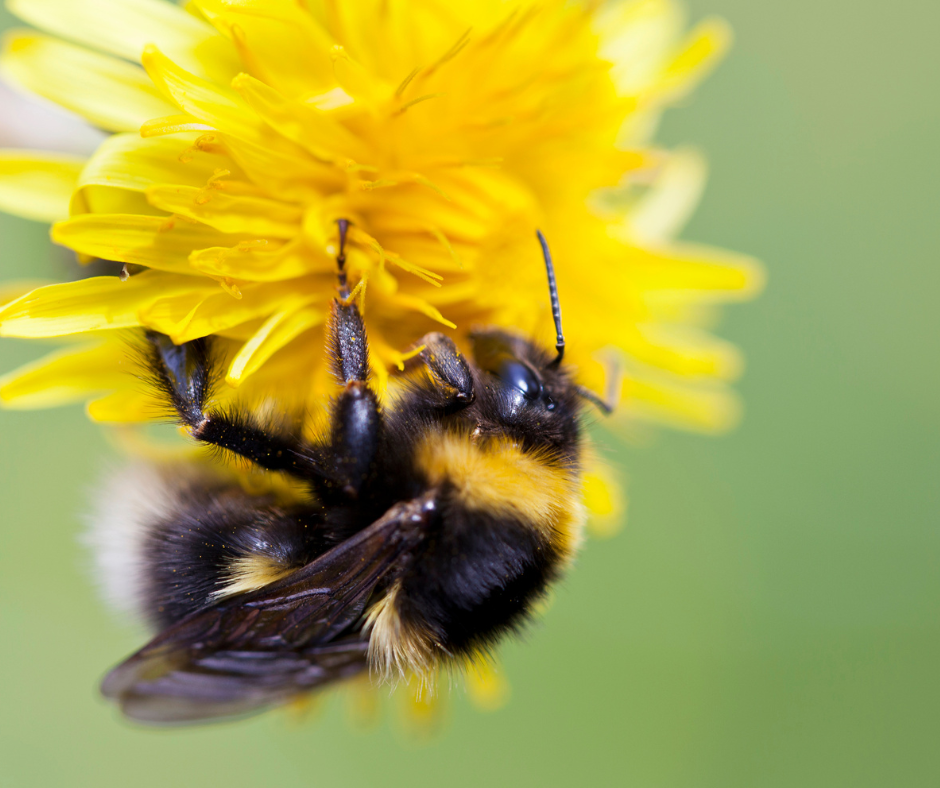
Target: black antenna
553 293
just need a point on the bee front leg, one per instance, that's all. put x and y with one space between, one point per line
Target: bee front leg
448 369
356 418
184 374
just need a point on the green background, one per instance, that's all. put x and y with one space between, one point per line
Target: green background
768 617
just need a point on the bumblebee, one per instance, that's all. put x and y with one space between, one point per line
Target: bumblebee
431 528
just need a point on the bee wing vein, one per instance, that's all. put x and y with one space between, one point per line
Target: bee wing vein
245 653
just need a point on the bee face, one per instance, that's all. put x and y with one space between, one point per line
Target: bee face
430 528
523 394
510 362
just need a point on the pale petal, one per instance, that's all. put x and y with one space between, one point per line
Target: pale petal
638 38
361 702
172 124
702 50
32 122
111 93
125 165
37 185
670 202
125 27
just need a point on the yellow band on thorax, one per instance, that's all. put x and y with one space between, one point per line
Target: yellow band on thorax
496 475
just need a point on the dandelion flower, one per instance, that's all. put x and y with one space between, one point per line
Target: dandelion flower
241 130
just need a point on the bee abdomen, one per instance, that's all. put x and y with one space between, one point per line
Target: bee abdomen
477 580
168 545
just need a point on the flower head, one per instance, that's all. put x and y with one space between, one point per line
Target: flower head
241 130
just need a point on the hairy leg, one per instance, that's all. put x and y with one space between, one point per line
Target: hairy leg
184 374
356 420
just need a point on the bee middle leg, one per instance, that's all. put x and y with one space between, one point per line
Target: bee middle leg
356 419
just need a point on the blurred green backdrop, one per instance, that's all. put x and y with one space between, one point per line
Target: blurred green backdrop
769 616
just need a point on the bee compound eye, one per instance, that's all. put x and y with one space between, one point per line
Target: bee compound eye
520 376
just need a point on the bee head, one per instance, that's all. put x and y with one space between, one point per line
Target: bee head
530 378
518 370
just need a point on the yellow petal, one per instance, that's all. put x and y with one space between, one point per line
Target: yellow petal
89 304
125 27
703 48
227 212
125 407
653 396
67 375
124 165
664 210
136 440
309 127
487 688
422 306
480 200
288 170
37 185
219 107
264 262
636 37
354 79
278 40
604 500
685 351
421 710
125 161
111 93
159 242
281 328
362 703
199 312
10 291
172 124
691 267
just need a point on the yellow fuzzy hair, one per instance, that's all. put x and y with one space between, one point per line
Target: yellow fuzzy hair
496 475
